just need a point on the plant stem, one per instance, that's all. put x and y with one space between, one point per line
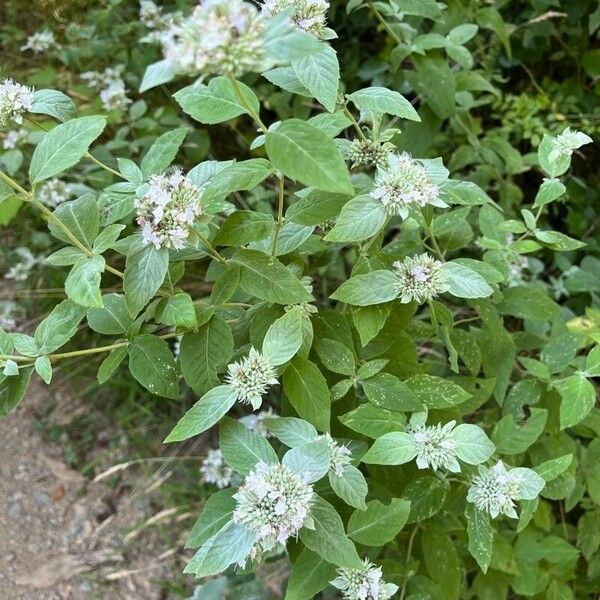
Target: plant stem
385 24
104 166
355 124
408 555
436 246
211 249
249 109
279 215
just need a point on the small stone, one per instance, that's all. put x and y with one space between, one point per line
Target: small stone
41 498
14 510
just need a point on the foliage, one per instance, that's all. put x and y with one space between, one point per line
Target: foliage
369 266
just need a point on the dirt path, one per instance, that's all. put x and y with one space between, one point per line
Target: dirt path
61 535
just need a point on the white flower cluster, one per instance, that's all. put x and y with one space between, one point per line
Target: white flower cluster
369 153
256 422
365 583
494 490
14 138
340 456
567 142
215 470
15 99
167 210
219 37
151 15
251 378
419 278
435 446
402 184
39 42
307 15
273 502
21 269
10 311
54 192
111 86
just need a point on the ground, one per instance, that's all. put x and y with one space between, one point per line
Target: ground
63 536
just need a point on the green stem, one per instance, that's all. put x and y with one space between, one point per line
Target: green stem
29 197
104 166
355 124
436 246
249 109
279 223
385 24
408 555
211 249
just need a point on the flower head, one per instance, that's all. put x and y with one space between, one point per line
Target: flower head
21 269
567 142
103 79
340 456
420 278
39 42
114 97
167 210
273 502
495 489
14 138
15 99
435 446
54 192
403 183
151 15
307 15
10 312
220 37
215 470
369 153
363 584
256 422
251 377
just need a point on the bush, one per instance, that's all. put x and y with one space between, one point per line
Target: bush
398 350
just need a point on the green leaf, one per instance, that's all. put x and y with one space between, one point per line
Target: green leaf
145 271
592 362
291 431
375 287
360 219
381 100
304 153
316 207
113 318
241 175
395 448
379 523
218 101
335 356
266 278
81 217
63 146
328 538
511 437
242 227
558 241
464 282
178 311
43 367
307 391
53 103
427 496
528 303
311 461
553 166
107 237
421 8
58 327
442 562
230 545
215 514
12 390
110 364
351 487
464 193
152 364
83 282
284 337
550 190
243 449
204 353
309 575
373 421
436 392
156 74
578 397
387 391
319 73
551 469
481 536
163 151
472 445
204 414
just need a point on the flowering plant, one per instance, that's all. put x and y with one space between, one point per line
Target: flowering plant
424 401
